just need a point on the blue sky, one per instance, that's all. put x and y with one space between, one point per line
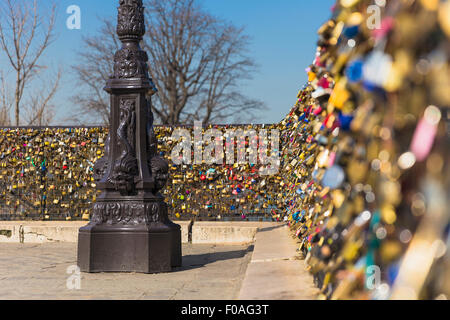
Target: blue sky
283 42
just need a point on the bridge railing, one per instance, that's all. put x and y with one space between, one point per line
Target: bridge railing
46 173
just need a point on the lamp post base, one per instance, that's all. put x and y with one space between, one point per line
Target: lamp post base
131 234
152 248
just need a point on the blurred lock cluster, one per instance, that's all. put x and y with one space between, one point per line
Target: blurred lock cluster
365 153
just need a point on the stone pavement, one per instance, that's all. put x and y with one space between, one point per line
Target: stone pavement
267 269
275 271
39 271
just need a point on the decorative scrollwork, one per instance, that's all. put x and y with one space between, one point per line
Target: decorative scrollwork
101 164
130 21
130 63
125 167
152 142
160 173
129 213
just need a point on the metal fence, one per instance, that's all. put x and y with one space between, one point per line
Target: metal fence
46 173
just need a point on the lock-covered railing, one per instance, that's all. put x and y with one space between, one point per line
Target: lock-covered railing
47 173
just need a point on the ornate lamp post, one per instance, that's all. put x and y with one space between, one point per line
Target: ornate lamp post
130 230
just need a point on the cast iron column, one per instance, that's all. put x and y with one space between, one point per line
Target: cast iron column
129 229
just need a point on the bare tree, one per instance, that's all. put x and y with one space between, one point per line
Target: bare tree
39 111
196 60
94 68
24 38
5 102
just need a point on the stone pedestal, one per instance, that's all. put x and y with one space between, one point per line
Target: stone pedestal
129 236
120 250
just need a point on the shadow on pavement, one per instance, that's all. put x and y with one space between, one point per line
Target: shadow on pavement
195 261
272 228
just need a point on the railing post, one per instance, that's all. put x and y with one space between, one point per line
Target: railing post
129 229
